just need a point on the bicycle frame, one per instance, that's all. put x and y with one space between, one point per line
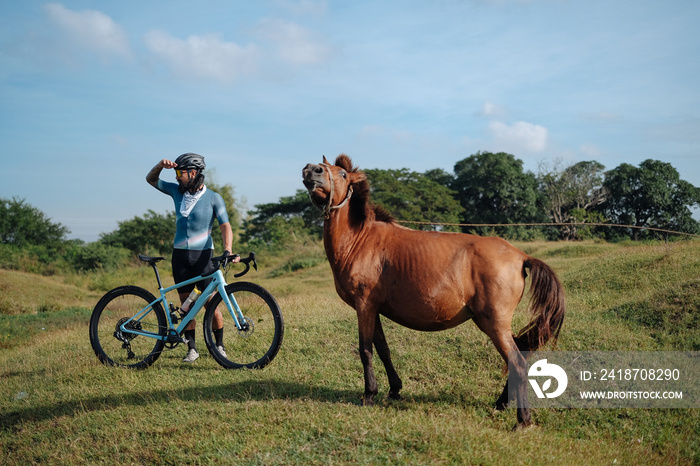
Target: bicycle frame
218 283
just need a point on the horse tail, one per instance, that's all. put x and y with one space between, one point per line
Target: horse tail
547 307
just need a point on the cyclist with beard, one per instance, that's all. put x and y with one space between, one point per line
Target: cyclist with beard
196 207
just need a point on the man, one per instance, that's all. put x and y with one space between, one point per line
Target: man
196 207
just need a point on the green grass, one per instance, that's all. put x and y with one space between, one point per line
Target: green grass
58 404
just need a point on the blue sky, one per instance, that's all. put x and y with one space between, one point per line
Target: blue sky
93 94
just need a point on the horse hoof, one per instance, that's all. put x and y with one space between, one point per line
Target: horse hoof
366 401
395 396
523 426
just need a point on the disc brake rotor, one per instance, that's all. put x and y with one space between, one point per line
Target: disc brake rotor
247 328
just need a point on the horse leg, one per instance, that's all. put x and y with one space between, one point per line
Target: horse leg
520 366
505 345
395 384
366 324
502 401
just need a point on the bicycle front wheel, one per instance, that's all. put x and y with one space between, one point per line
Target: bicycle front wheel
114 347
258 342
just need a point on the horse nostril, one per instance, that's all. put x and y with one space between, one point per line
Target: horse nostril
311 170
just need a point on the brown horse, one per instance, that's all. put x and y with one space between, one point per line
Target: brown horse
428 280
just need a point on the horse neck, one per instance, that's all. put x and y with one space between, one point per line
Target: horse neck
340 236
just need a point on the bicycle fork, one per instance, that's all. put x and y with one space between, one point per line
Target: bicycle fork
242 324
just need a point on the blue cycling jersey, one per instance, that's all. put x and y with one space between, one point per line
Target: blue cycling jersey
194 231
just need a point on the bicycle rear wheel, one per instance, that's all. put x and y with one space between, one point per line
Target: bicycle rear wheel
258 343
116 348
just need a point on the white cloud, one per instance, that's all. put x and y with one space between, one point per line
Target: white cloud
520 136
294 43
492 110
91 30
206 56
210 56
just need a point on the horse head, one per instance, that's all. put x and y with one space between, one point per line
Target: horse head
331 186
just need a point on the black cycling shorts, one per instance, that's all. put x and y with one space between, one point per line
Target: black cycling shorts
188 263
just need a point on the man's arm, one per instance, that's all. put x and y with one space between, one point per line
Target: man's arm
226 236
154 174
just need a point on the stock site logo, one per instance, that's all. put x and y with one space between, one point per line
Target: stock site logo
543 369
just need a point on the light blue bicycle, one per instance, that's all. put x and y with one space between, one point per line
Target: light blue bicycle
130 327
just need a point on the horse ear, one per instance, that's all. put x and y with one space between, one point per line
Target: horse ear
325 160
357 177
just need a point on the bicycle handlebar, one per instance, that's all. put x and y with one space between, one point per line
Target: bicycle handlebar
225 259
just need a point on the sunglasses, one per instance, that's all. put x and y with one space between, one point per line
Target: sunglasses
178 173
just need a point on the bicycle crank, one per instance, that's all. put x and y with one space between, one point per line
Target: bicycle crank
173 339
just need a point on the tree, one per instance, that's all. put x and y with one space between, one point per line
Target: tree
290 219
151 234
232 209
415 197
651 195
492 188
571 195
440 176
23 225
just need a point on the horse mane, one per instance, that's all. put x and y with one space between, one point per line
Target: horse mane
361 207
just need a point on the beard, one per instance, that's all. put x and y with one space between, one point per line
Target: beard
194 185
182 188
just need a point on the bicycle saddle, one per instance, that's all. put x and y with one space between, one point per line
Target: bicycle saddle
151 260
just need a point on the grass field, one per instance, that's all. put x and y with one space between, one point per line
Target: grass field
58 404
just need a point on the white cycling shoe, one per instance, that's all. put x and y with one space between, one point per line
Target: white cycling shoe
192 356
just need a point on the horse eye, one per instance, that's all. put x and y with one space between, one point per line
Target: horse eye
343 174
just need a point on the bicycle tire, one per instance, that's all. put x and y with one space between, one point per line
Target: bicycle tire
256 347
114 348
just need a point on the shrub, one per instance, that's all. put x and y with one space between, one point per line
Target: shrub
96 256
